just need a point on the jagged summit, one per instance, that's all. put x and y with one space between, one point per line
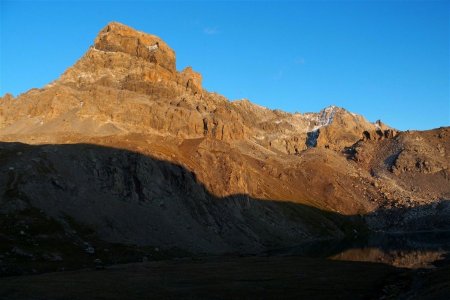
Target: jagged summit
124 58
127 70
127 82
117 37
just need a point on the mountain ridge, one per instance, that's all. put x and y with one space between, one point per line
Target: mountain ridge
140 133
120 59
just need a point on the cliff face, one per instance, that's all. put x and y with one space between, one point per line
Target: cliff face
172 160
127 82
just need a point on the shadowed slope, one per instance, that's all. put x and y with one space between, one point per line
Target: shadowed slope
131 198
95 195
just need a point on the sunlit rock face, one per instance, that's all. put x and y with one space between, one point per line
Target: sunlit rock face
126 59
116 37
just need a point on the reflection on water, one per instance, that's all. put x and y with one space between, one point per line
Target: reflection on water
399 258
406 250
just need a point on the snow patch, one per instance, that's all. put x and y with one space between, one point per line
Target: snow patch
102 51
51 84
152 47
260 106
324 118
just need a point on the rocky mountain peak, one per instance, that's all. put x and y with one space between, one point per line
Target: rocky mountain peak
127 82
117 37
127 59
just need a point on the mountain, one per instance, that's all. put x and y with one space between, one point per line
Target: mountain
123 149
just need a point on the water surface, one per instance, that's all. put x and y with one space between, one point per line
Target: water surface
405 250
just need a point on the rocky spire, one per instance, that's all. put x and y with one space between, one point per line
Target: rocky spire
127 59
116 37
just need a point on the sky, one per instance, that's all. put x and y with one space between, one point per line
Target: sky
386 60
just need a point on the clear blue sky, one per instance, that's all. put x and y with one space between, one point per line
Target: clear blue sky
387 60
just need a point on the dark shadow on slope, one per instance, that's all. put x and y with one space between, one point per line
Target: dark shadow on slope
81 205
